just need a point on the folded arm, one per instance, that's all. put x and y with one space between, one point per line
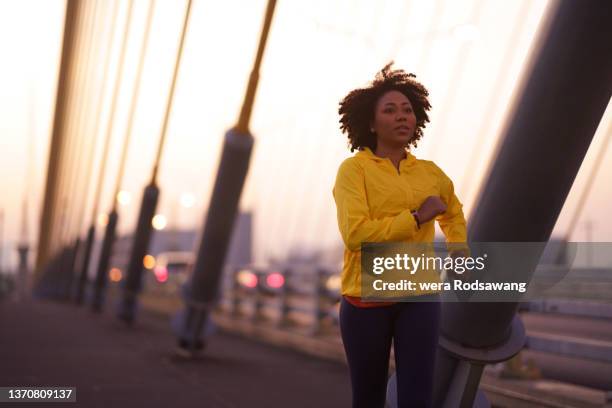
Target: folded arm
354 220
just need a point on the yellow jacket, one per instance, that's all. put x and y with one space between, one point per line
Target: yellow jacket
374 204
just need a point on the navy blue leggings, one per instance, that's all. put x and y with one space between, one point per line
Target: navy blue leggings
367 334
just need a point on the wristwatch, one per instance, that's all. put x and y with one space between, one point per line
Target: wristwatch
415 214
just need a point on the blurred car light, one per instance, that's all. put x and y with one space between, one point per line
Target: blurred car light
275 280
115 274
161 274
247 278
148 261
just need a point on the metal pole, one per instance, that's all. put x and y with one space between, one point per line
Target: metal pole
109 233
71 143
83 266
91 232
77 200
529 180
22 272
134 103
142 236
97 301
203 287
1 241
84 250
57 137
23 247
60 243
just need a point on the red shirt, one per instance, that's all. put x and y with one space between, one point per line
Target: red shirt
356 301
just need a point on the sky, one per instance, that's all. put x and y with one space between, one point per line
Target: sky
470 54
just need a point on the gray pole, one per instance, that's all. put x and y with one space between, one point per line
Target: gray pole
110 233
81 92
99 288
81 127
22 272
144 229
566 93
91 232
204 283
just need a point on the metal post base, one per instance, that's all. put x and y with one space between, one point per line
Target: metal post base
468 367
128 308
192 327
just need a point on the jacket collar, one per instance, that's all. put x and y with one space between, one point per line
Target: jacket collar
367 154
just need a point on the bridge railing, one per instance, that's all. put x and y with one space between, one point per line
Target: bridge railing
289 296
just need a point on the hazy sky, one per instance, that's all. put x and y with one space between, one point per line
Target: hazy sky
470 54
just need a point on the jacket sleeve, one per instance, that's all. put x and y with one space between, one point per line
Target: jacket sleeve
452 221
354 220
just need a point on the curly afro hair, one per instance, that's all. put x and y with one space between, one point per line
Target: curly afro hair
358 107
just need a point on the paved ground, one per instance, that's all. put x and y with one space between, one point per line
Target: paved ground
52 344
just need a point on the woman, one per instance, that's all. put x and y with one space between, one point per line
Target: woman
384 194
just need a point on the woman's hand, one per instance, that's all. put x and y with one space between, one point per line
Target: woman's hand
431 207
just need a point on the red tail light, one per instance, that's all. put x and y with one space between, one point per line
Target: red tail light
247 278
275 280
161 274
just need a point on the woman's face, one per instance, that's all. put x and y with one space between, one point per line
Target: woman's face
394 120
